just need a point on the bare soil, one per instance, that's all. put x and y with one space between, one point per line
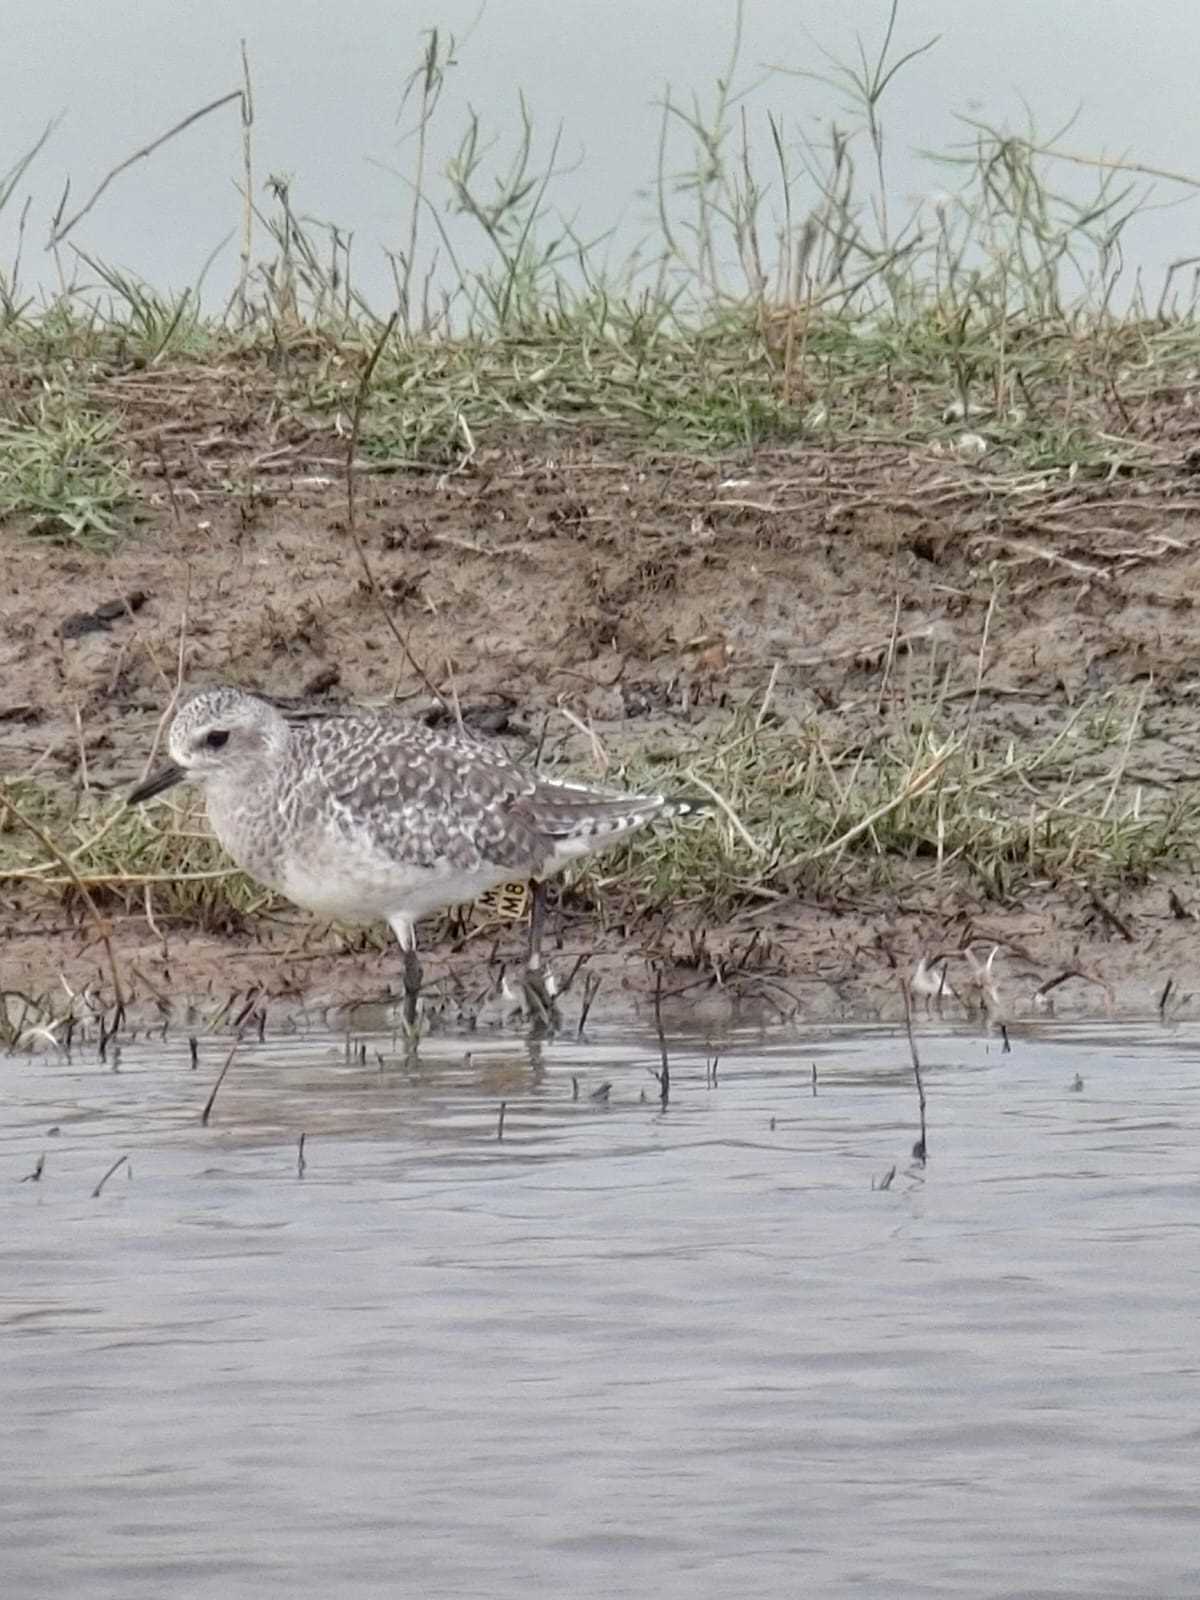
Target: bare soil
645 593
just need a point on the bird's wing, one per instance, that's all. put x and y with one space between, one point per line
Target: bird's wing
431 794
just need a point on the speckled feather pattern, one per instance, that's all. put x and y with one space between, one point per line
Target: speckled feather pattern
363 815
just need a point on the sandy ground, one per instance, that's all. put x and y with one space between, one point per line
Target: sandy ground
645 595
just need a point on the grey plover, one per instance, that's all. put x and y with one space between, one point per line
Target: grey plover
368 817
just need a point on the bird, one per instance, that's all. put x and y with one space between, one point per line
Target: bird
366 816
983 981
929 981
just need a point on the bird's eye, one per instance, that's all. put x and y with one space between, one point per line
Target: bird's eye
217 739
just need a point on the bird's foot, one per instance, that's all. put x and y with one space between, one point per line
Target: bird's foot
534 997
413 1026
540 988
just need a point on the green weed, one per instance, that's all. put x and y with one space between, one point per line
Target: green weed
62 471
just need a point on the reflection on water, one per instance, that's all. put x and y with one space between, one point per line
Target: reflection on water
617 1352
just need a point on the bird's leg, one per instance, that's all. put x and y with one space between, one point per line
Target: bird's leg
406 933
539 995
412 987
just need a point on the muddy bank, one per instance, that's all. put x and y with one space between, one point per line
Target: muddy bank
806 963
648 596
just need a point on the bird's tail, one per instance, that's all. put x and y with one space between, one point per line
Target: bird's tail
580 821
679 805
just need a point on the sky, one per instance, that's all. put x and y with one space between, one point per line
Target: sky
328 86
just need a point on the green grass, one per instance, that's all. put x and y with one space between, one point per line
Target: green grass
62 472
1066 404
923 807
778 297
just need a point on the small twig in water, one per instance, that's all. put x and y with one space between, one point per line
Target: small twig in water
921 1148
211 1101
500 1119
301 1163
252 995
107 1035
116 1167
664 1077
591 988
1165 996
565 986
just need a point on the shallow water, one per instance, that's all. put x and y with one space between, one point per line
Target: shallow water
618 1352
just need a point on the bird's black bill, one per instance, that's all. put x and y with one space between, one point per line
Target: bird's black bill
166 778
